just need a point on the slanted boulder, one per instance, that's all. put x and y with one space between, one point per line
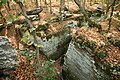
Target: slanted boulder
90 56
79 65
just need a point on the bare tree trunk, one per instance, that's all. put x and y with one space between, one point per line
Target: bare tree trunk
50 7
8 5
32 33
40 3
36 3
45 2
113 4
68 4
4 20
84 3
61 9
103 2
90 2
91 23
108 6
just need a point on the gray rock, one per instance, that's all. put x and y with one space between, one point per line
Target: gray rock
79 65
55 45
8 57
73 24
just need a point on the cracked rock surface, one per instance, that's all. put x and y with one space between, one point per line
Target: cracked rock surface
8 57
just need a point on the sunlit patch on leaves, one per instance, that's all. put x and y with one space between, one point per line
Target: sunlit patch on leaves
32 29
24 2
27 38
37 45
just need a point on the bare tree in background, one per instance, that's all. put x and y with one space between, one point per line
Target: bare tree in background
45 2
37 4
62 2
41 3
50 7
8 4
90 22
84 3
108 3
4 20
113 4
33 33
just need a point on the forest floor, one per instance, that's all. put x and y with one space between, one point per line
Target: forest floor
91 34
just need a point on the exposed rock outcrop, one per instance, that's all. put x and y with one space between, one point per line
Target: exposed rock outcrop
79 65
8 57
55 45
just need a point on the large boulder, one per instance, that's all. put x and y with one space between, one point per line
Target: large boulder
8 57
79 65
55 45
